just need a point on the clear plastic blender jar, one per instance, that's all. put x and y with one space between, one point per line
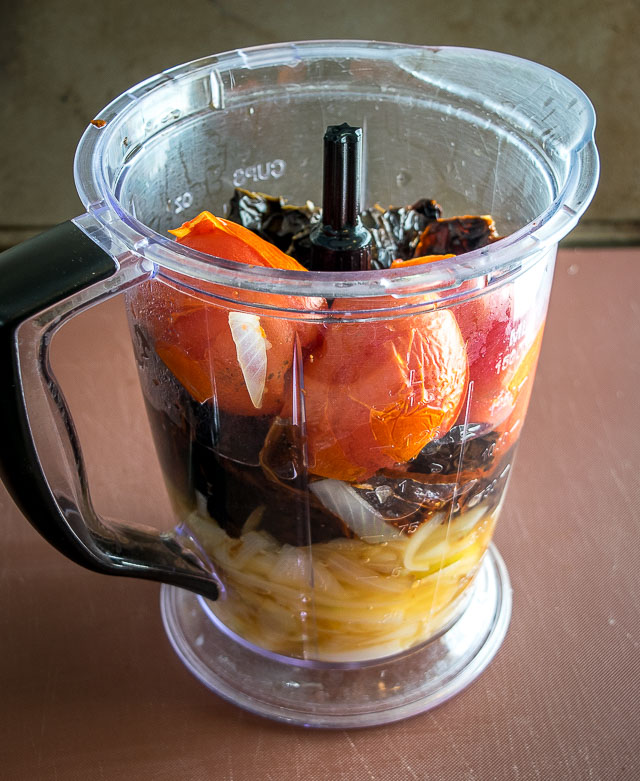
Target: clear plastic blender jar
336 445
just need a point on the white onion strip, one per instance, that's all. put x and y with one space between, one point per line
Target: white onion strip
340 499
412 558
251 349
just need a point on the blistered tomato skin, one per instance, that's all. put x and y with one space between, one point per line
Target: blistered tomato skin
377 392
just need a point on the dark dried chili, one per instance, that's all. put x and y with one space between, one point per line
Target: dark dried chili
456 235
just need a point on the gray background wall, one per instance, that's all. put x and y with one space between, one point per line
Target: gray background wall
61 62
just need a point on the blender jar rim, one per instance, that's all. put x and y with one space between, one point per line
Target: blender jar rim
521 247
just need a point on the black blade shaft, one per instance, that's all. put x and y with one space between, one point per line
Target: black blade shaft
341 242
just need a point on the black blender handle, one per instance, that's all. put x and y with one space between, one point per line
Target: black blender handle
35 275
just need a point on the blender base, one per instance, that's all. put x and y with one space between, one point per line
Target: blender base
360 695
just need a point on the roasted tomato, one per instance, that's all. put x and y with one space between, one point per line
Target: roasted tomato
420 260
236 355
500 353
377 392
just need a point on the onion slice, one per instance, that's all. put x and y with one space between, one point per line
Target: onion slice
251 349
340 499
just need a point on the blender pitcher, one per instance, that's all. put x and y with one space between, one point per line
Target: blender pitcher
336 445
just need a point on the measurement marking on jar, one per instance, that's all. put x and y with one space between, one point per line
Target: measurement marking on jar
180 202
518 333
410 528
260 172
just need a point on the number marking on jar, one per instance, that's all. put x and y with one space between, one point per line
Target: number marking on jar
180 202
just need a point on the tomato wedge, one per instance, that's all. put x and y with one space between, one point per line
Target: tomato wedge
228 240
419 261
